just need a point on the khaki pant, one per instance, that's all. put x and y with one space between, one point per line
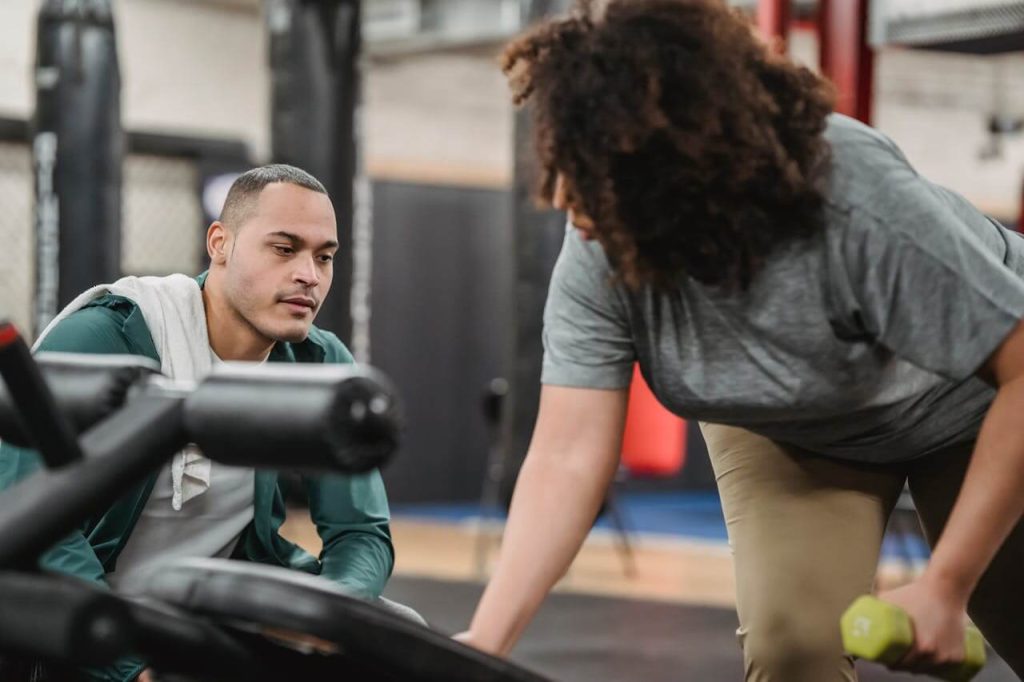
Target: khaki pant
806 532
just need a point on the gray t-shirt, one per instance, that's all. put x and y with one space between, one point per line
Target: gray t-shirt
860 343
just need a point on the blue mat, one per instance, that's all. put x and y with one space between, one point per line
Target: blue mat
690 515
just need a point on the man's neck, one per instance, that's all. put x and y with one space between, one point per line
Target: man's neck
230 336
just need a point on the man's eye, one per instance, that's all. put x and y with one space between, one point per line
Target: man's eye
284 250
326 258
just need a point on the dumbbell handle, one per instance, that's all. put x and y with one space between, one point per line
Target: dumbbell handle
876 630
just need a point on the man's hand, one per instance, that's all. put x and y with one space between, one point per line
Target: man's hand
939 621
146 676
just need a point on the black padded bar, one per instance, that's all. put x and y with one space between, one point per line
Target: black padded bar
86 389
63 619
387 645
177 642
37 413
42 509
314 417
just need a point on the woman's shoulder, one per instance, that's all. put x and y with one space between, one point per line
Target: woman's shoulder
863 163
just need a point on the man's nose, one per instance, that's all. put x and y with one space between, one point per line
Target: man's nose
306 272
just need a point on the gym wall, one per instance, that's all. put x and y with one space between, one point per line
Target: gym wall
935 105
199 67
188 67
17 269
162 220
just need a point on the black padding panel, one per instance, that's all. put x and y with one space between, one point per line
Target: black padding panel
280 599
318 417
62 618
441 325
314 79
87 389
78 146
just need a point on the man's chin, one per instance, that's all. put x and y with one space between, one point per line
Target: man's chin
288 333
296 336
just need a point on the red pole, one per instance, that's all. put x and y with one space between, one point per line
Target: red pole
1020 215
845 56
773 18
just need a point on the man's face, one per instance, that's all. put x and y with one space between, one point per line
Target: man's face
279 263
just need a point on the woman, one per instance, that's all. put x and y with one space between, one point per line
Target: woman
783 274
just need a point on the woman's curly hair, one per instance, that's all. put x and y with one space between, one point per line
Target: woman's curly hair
692 147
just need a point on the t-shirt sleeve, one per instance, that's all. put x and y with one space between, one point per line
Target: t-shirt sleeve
587 338
929 276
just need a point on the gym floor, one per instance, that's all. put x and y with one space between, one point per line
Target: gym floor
672 619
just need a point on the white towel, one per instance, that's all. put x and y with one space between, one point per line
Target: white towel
173 309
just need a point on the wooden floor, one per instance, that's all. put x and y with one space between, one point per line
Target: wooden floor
667 569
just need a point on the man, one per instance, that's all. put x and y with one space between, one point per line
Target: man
271 256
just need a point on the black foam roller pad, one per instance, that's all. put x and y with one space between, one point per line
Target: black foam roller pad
86 389
338 418
62 618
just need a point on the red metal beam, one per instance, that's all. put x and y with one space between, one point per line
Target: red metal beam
773 20
1020 215
845 56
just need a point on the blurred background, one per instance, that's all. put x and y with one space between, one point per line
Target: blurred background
400 108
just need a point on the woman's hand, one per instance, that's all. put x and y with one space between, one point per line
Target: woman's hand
939 619
986 510
466 637
469 638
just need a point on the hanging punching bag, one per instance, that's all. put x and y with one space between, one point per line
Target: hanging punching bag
654 441
314 59
77 149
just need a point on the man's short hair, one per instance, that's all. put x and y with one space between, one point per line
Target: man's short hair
240 203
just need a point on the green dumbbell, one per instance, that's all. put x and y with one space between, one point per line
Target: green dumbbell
879 631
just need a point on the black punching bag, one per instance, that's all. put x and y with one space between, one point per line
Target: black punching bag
314 59
77 151
538 236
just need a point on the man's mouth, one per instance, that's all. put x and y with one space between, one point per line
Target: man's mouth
300 304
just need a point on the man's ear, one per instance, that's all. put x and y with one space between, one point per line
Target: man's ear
218 238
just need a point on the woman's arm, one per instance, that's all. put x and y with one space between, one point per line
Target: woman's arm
989 505
571 461
991 500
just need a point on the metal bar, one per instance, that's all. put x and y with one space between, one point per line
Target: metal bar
773 20
1020 215
46 427
41 510
845 56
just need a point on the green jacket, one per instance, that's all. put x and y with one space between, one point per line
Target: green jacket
350 512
